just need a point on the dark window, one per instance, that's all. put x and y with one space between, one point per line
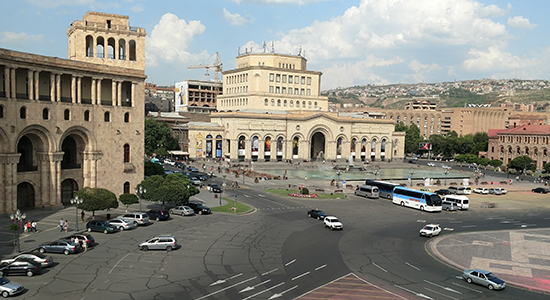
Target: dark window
23 113
1 111
87 116
126 117
67 114
126 153
107 117
126 187
45 114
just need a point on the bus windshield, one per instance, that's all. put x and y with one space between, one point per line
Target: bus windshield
434 200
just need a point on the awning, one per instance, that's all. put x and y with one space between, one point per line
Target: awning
177 152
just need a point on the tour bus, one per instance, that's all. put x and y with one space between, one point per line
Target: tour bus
385 189
367 191
426 201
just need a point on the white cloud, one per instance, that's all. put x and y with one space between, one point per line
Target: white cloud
236 19
92 4
169 40
361 72
493 59
297 2
17 39
521 22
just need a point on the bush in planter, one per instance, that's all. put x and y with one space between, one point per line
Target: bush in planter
304 191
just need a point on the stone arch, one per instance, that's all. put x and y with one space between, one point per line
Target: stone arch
82 136
4 141
69 187
26 195
31 141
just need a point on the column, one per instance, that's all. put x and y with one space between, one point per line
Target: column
8 175
90 168
94 90
79 89
73 89
13 92
133 96
52 87
98 94
119 93
8 81
114 99
30 86
36 85
58 87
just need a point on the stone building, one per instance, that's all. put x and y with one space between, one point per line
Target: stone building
69 124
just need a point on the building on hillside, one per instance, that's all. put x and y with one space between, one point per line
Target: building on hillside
530 140
420 105
66 124
196 95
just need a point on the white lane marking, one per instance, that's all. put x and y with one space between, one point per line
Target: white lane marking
455 222
252 296
290 262
224 280
412 292
118 262
231 286
441 294
443 287
412 266
468 288
247 196
420 221
277 295
320 267
300 276
379 267
261 196
249 288
469 226
448 228
269 272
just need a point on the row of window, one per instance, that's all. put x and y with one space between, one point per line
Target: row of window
287 66
110 50
236 90
234 102
525 139
290 103
66 114
283 90
519 151
291 78
232 79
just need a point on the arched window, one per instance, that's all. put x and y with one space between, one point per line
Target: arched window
126 187
126 153
89 46
122 49
107 117
45 114
272 102
127 117
278 102
303 104
132 45
67 114
315 104
100 48
111 48
291 103
284 103
309 104
266 102
297 104
23 113
1 111
87 116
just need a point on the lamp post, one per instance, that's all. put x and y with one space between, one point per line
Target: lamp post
223 188
411 173
242 169
140 192
446 171
338 173
18 217
76 201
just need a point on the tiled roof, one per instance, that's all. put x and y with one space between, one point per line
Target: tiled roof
530 129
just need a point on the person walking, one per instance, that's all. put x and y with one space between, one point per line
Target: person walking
82 214
84 245
33 226
76 241
61 225
66 226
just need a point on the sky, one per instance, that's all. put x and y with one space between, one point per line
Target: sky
352 42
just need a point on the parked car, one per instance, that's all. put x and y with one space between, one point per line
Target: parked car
169 162
182 211
495 191
317 214
484 278
161 242
194 181
44 261
59 246
100 226
430 164
192 169
158 215
199 208
481 190
20 268
83 236
122 224
448 205
180 165
540 190
443 192
430 230
138 218
333 223
9 288
215 188
202 177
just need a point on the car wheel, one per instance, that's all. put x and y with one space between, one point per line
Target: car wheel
66 252
29 273
144 248
169 248
135 224
89 229
182 214
105 231
200 212
447 209
171 212
389 197
402 203
158 219
41 250
469 280
309 215
422 208
121 228
319 218
5 294
491 287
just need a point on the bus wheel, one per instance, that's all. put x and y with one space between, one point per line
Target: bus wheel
422 208
402 203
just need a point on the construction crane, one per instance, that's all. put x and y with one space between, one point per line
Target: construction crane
216 65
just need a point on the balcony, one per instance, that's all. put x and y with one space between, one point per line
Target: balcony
129 168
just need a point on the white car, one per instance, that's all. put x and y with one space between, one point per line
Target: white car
497 191
333 223
430 164
430 230
481 190
122 224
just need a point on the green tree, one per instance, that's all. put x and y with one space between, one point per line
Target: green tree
522 163
546 167
96 199
400 127
495 163
484 161
173 188
152 168
437 141
412 138
158 138
128 199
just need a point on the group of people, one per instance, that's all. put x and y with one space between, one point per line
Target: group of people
29 226
63 225
82 242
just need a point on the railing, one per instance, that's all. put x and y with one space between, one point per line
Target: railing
44 98
66 99
25 168
129 167
86 101
107 103
66 166
22 96
2 94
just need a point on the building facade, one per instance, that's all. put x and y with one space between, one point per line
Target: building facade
197 93
69 124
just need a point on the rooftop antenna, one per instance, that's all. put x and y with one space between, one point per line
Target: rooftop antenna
238 51
272 47
300 51
264 46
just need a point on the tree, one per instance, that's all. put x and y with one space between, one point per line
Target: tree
400 127
173 188
484 161
158 138
152 168
495 163
412 138
96 199
546 167
522 163
128 199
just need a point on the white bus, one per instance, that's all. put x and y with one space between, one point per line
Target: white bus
385 189
426 201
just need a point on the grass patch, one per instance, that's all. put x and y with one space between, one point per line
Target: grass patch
241 207
285 192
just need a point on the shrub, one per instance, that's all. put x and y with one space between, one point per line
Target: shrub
304 191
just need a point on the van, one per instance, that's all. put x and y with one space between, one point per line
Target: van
467 190
462 202
367 191
448 205
457 190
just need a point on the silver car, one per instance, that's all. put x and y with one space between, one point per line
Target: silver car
160 242
138 218
9 288
122 224
182 211
484 278
45 261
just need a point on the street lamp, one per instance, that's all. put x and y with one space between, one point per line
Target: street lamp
411 173
242 169
76 201
140 192
338 182
446 171
17 218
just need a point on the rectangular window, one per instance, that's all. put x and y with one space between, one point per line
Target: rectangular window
309 81
277 90
303 80
289 78
296 79
295 91
271 75
284 78
308 92
284 90
278 77
302 92
271 89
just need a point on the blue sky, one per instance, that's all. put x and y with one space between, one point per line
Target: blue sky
352 42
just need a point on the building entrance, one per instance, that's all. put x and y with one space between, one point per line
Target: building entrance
317 147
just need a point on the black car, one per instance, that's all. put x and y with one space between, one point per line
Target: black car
20 268
159 215
317 214
101 226
202 177
215 188
540 190
443 192
199 208
180 165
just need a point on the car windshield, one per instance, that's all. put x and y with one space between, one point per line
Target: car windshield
4 281
428 228
320 212
334 220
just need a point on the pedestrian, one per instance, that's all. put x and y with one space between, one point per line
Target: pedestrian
76 241
84 245
66 225
33 226
61 225
25 227
82 214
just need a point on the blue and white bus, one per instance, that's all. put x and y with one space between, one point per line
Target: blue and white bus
385 189
427 201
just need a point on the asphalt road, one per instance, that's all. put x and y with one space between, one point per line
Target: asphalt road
277 252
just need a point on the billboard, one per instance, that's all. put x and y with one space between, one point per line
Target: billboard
425 146
181 94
